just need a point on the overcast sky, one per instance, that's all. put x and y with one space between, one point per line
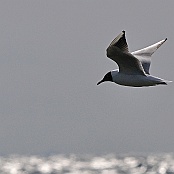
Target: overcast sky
52 54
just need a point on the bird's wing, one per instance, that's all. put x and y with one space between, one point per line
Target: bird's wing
118 52
144 55
120 42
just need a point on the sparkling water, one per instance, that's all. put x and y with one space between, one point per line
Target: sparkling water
88 164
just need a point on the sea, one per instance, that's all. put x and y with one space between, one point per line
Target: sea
88 164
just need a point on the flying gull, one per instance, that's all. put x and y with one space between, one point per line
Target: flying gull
133 67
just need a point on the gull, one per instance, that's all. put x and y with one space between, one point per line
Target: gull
133 67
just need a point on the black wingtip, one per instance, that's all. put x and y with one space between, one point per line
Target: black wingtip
123 31
163 83
165 38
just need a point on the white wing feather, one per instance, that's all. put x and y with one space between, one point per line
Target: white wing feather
144 55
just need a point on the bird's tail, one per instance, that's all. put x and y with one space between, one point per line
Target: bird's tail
165 82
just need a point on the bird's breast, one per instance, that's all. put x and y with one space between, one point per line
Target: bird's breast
134 80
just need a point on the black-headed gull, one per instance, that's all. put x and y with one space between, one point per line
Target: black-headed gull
133 67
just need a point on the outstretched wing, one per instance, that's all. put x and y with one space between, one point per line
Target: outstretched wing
118 52
144 55
120 42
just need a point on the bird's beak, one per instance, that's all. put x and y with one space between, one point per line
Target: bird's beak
100 82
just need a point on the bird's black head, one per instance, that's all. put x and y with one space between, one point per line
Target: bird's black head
107 77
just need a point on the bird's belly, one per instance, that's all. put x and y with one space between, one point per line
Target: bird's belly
135 80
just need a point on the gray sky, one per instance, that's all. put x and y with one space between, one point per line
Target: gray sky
52 54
